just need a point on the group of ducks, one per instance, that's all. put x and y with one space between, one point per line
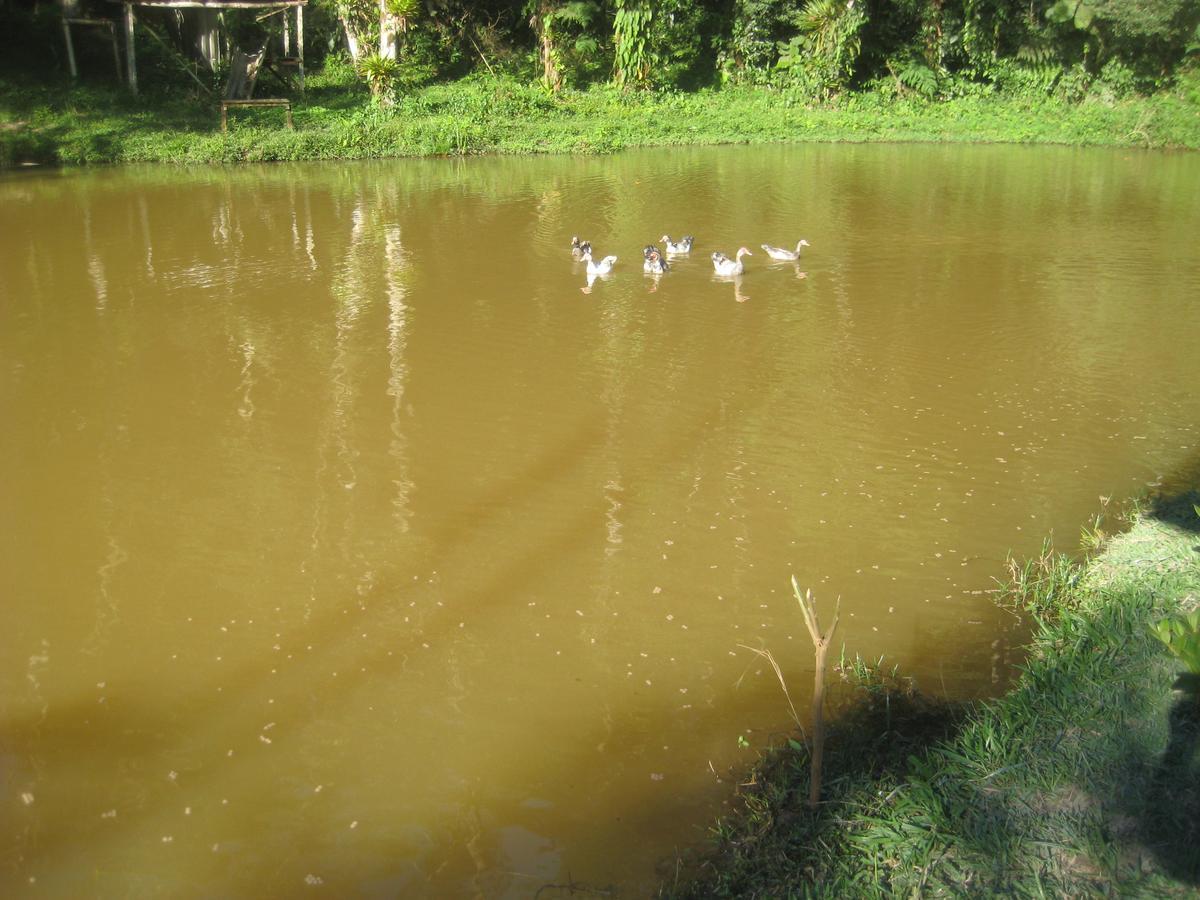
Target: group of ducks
655 262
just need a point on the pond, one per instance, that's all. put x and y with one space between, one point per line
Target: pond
353 544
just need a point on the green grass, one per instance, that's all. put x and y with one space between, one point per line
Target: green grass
1083 780
49 121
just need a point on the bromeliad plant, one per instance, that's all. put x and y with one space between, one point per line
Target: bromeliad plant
380 74
1181 635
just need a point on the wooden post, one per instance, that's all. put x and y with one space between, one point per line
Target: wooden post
300 44
820 641
220 30
130 59
112 36
287 35
70 50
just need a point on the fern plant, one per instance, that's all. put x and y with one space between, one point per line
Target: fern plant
1040 59
918 78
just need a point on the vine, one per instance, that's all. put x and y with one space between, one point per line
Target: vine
631 38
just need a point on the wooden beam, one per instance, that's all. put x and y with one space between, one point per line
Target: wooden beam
225 4
130 59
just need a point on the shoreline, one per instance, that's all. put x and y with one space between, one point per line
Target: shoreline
57 124
1083 778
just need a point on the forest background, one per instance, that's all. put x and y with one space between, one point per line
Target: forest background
421 77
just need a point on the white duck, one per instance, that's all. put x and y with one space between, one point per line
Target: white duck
684 245
726 266
786 255
601 268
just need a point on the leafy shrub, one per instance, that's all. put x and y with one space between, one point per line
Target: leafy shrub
821 58
338 71
1074 84
569 52
751 50
1146 35
1116 82
679 44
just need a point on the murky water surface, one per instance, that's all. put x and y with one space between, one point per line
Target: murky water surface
351 546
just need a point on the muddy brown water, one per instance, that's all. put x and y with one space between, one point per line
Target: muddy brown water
353 545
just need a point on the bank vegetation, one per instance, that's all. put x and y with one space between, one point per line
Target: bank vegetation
450 77
1082 780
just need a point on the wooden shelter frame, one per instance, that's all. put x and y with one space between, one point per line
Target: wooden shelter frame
106 24
129 20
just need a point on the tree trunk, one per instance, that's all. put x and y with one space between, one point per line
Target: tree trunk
387 32
352 43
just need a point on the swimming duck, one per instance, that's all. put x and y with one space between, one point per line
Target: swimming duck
654 262
684 244
601 268
578 247
726 266
780 253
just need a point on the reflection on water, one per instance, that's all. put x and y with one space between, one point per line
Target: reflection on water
350 547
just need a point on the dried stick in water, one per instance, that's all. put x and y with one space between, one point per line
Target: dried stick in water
821 642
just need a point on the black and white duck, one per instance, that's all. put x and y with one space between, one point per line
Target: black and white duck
654 262
683 245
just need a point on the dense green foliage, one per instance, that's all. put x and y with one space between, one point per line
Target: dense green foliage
600 75
1082 781
814 48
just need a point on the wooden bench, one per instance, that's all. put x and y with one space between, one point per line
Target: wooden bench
286 104
239 89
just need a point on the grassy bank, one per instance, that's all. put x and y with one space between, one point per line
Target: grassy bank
1084 780
52 122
